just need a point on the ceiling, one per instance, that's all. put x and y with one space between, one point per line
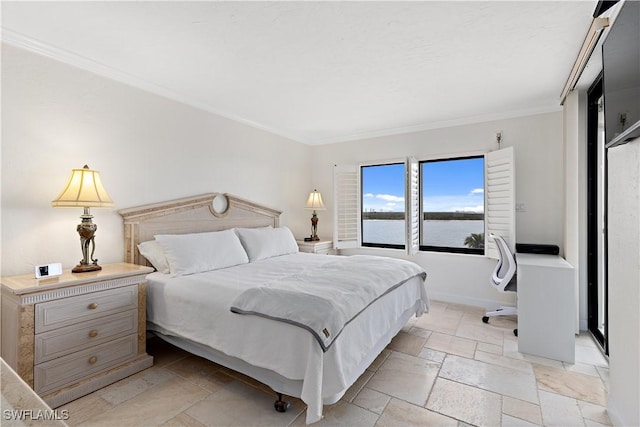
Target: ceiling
322 72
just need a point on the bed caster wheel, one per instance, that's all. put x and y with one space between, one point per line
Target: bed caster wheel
515 332
281 405
485 319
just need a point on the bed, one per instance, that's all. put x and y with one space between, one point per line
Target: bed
191 307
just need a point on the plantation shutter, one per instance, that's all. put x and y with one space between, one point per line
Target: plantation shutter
500 199
346 193
412 208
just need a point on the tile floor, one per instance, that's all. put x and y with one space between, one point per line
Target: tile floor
446 368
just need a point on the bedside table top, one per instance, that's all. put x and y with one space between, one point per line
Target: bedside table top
314 242
28 283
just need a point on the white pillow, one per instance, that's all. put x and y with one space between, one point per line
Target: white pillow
153 252
261 243
195 253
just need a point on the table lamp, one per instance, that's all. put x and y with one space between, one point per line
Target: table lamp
314 203
84 189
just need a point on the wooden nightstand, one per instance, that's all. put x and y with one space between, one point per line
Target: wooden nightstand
318 247
69 335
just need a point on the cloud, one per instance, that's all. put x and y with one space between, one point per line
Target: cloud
390 197
477 191
468 203
382 203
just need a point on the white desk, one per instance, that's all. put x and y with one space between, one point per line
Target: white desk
546 306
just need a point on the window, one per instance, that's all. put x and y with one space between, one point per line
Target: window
447 205
383 205
452 205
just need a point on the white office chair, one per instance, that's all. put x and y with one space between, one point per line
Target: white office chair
503 279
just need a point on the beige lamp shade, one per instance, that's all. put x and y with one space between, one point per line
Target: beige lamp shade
314 202
84 189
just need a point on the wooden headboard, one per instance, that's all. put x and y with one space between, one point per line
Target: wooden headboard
207 212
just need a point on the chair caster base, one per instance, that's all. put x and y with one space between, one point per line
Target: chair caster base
485 319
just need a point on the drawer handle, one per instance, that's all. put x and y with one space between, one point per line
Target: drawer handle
93 360
93 333
93 306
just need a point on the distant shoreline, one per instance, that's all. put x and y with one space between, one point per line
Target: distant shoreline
438 216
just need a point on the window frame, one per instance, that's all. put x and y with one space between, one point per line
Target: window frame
449 249
380 245
499 202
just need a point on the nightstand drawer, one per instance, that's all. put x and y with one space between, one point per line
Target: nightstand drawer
82 308
68 369
74 338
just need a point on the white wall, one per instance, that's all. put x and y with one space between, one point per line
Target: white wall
538 143
148 149
624 283
575 157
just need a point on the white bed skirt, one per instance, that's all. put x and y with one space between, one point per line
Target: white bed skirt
275 381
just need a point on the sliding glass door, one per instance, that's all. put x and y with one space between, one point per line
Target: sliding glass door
596 220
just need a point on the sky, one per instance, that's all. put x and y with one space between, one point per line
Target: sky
447 186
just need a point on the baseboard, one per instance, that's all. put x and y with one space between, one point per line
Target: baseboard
584 325
485 304
614 414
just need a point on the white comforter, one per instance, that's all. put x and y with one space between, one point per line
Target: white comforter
197 307
325 299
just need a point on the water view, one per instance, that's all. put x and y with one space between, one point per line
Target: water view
451 193
449 233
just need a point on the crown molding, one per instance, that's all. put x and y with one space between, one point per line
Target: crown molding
39 47
436 125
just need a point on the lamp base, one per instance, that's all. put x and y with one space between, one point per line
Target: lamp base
87 230
84 268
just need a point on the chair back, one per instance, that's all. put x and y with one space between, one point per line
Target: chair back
506 267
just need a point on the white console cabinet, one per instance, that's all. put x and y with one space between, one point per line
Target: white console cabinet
546 306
